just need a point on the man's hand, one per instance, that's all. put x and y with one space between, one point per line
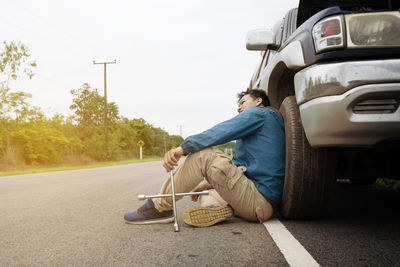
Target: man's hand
172 157
203 185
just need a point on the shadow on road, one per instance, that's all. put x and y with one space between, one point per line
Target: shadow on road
348 202
359 227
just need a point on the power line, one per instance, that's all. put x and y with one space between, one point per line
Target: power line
32 14
55 34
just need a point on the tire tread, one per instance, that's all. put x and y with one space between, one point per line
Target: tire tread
307 175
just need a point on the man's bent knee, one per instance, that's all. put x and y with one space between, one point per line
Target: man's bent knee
206 152
206 155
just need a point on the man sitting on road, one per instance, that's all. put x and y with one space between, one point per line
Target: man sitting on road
250 185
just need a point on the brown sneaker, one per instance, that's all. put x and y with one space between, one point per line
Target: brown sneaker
204 216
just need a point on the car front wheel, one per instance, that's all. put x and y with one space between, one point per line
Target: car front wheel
308 174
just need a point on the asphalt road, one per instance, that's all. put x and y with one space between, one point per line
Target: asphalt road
75 218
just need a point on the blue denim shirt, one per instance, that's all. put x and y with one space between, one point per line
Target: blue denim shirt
260 147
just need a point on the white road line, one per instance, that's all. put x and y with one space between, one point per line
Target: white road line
294 253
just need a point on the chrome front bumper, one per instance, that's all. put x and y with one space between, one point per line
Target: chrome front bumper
337 78
355 104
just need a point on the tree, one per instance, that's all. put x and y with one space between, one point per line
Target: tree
174 141
14 63
143 132
88 106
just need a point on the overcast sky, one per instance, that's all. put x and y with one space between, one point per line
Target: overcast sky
179 62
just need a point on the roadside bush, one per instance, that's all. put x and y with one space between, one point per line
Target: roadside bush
388 183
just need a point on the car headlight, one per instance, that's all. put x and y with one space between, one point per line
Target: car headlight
328 34
373 29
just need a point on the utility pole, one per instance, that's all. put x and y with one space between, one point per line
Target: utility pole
105 101
180 129
165 143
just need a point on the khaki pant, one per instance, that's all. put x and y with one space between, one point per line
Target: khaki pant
228 181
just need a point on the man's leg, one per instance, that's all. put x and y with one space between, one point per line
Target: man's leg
186 177
213 199
159 210
227 179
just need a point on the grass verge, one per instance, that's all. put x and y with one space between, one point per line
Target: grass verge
78 167
388 183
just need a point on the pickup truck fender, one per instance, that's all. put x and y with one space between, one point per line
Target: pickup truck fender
290 58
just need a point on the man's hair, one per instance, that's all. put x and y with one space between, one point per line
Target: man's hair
255 93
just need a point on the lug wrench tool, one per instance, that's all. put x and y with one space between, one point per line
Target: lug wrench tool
176 226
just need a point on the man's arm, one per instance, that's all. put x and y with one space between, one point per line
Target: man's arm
238 127
203 185
172 157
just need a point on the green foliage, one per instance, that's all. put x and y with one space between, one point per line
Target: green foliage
89 107
29 138
229 145
56 141
388 183
14 62
37 142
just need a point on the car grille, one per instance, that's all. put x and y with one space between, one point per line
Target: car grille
377 106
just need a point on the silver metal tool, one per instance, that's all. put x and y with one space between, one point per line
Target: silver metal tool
173 195
143 197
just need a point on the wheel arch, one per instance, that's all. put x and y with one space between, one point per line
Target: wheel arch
280 85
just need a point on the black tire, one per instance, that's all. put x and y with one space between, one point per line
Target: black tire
308 173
